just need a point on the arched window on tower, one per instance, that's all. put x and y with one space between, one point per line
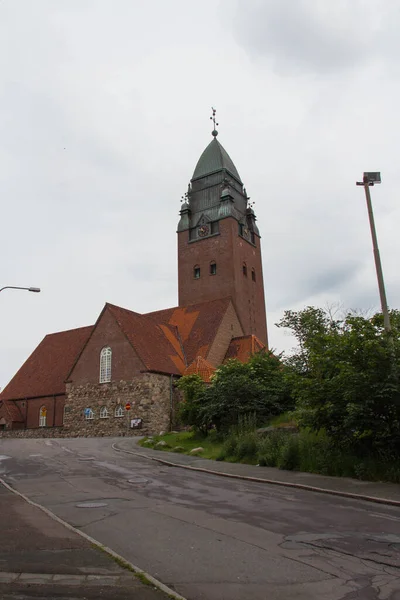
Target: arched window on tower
213 268
105 365
244 269
196 272
253 274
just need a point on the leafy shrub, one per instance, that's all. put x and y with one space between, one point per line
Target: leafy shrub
269 449
230 446
247 445
345 378
289 457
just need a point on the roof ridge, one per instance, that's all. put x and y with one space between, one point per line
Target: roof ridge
68 330
133 312
186 306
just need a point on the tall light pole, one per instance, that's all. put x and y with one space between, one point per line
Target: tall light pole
370 179
15 287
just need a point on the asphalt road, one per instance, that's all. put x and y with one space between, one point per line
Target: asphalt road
209 537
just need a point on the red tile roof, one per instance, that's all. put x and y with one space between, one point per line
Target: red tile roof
167 341
242 348
200 367
11 411
157 346
197 325
45 371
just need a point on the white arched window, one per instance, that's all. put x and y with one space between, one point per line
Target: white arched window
42 416
104 413
119 411
105 365
89 414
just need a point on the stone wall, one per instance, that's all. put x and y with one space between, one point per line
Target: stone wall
36 432
149 395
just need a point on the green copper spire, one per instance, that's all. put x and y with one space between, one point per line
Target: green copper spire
215 158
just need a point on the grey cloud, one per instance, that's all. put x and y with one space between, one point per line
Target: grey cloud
331 278
307 35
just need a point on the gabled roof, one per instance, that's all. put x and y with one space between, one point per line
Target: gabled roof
196 325
201 367
156 344
242 348
12 411
166 341
215 158
45 371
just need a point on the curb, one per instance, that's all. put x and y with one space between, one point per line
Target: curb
299 486
158 584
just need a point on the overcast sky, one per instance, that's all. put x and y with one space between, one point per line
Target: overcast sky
104 112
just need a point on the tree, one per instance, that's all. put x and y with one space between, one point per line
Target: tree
344 378
257 387
190 411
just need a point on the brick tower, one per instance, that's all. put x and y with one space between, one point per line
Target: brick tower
219 252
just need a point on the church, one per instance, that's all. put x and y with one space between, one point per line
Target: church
117 377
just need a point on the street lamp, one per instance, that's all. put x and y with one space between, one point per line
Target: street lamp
370 179
14 287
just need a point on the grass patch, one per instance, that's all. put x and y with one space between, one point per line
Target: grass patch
188 440
305 451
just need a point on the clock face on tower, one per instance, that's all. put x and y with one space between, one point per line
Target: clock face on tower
203 230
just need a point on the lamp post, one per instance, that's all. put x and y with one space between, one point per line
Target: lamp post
369 180
15 287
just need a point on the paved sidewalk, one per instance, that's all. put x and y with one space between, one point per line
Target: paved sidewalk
387 491
42 559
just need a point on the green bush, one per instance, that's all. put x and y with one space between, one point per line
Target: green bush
269 449
345 376
230 445
289 457
247 445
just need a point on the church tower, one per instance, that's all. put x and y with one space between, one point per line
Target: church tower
219 251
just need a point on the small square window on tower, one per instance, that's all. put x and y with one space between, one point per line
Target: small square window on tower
213 268
196 272
244 268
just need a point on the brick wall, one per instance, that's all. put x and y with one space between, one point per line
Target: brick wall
30 410
229 251
229 328
125 362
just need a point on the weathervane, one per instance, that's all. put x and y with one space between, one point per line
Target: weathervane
214 132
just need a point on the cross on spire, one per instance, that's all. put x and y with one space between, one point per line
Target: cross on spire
214 131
